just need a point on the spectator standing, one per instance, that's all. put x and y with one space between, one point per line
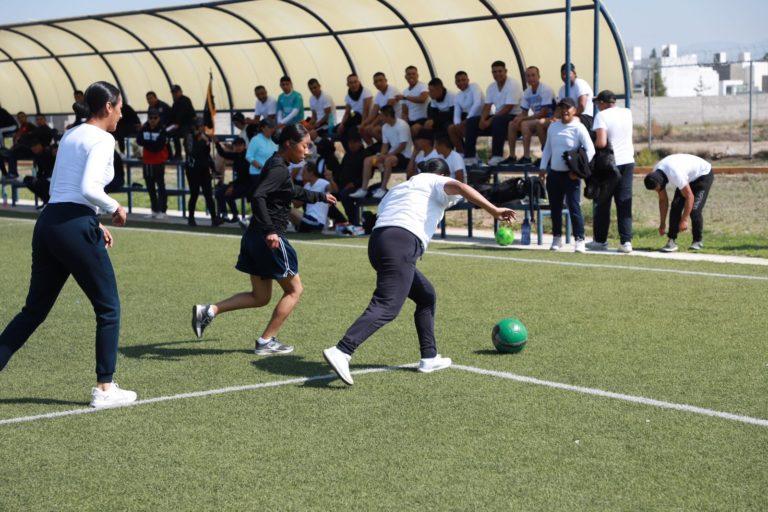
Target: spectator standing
182 121
128 126
199 166
152 138
162 108
566 134
613 128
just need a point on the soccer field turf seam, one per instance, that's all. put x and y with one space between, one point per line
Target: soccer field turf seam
471 369
513 259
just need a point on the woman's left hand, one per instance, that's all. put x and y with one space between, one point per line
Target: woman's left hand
330 199
505 214
108 240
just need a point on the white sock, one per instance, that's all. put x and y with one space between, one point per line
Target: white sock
209 312
262 341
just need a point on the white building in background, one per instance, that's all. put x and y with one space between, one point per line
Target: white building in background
683 76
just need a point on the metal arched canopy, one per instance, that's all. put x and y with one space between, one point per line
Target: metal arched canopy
26 78
515 34
50 53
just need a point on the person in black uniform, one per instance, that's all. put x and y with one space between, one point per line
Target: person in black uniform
128 126
182 121
162 108
199 167
265 253
228 194
44 160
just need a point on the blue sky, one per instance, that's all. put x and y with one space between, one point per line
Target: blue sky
739 24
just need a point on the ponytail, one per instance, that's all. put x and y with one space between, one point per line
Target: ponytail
97 95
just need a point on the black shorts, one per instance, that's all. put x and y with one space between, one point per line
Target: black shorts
257 259
421 121
402 163
309 224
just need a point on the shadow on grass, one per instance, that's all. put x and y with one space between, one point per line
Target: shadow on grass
167 351
487 352
40 401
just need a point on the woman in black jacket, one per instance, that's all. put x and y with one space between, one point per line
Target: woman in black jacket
199 176
265 253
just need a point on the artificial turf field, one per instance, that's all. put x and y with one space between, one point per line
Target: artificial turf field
453 440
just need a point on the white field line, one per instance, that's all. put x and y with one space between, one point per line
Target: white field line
197 394
616 396
475 256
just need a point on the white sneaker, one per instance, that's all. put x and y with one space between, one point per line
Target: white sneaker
359 193
626 247
434 364
557 243
113 397
339 362
379 193
579 247
150 216
160 215
597 246
495 160
470 161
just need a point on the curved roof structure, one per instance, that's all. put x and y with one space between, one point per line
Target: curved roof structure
249 42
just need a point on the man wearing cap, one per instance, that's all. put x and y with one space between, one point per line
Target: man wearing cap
581 93
692 178
613 126
182 120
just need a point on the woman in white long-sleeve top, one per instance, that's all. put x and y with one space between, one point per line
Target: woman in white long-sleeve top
69 239
565 135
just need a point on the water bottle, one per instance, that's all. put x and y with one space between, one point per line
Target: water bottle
525 238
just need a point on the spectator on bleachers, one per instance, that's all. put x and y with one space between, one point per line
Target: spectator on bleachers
42 132
128 126
349 176
242 182
323 120
581 93
78 107
423 149
563 135
386 95
43 160
357 108
265 108
152 138
613 127
692 177
290 104
396 151
182 122
315 215
242 127
261 147
7 125
414 100
446 151
199 167
162 107
21 145
441 107
502 100
534 118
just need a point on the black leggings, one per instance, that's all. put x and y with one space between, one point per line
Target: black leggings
154 175
200 179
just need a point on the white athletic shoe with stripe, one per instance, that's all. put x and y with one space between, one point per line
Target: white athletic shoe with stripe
433 364
339 361
113 397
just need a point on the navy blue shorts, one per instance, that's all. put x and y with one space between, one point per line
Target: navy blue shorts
257 259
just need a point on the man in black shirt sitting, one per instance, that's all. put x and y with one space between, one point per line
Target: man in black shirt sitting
348 177
242 184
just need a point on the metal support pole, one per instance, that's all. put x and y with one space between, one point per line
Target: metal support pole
648 93
567 48
596 49
751 88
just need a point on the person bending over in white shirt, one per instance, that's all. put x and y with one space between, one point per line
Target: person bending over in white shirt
396 150
407 220
468 104
692 178
414 100
534 117
370 129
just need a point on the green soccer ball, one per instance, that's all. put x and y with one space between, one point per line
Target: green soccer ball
509 336
505 235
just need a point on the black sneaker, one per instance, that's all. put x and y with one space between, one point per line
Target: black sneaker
509 161
191 221
200 319
525 161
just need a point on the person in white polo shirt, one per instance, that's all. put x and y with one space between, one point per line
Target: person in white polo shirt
357 108
692 178
613 126
414 100
502 103
467 105
536 111
323 110
396 151
581 93
407 219
386 95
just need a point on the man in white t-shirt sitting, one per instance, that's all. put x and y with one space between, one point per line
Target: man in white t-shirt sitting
468 104
387 94
692 178
407 219
315 215
396 151
265 108
581 93
414 100
441 107
423 149
613 127
534 118
502 99
357 108
323 119
455 162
